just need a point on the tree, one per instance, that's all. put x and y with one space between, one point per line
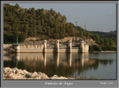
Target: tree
26 28
17 6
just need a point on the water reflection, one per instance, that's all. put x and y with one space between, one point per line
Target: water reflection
45 59
62 64
58 60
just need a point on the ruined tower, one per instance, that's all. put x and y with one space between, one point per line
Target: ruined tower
84 46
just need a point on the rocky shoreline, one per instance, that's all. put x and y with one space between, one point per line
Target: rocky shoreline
15 73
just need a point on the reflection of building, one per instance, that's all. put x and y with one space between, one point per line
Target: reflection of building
84 58
61 58
30 56
58 63
45 59
58 60
73 60
70 59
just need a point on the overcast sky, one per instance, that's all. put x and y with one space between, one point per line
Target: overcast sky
96 16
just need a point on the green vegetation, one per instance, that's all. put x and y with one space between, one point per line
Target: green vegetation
36 23
21 23
103 44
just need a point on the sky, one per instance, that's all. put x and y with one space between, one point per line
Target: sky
91 16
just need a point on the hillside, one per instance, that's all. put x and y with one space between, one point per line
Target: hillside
20 24
31 22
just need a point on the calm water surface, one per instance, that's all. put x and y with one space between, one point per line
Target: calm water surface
77 65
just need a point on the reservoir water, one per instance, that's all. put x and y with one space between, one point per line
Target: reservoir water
76 65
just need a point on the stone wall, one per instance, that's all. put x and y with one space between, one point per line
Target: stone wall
84 47
30 48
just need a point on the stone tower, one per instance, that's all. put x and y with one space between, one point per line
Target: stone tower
45 46
57 46
84 47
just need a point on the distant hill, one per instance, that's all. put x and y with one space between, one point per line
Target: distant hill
105 34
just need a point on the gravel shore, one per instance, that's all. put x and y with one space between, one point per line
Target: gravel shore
15 73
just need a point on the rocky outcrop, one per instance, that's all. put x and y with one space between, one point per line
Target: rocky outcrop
15 73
